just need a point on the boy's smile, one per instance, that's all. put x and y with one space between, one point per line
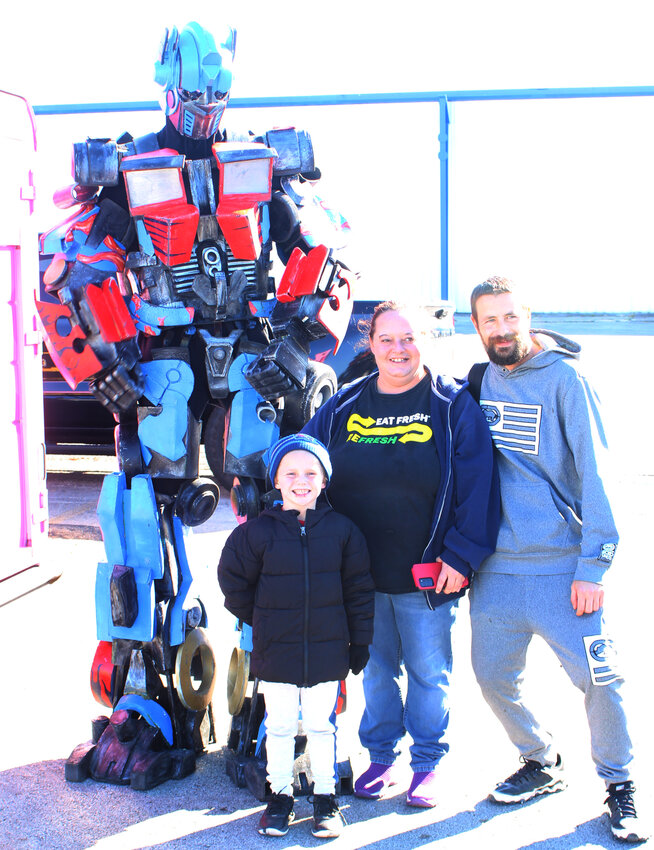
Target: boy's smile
300 479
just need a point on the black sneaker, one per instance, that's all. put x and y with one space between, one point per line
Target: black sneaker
529 781
278 815
622 813
328 822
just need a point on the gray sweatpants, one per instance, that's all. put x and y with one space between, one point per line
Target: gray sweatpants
506 612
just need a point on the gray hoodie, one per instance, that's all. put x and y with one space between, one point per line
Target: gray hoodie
545 423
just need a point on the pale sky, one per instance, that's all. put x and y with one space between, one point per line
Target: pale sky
528 183
65 51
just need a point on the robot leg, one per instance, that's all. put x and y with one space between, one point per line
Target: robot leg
155 666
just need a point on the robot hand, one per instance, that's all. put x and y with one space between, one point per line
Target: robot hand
118 388
280 368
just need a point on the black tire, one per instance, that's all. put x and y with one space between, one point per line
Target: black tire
301 405
241 722
214 441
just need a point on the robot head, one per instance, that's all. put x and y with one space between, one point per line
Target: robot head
196 76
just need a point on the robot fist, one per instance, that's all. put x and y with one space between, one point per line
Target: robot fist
280 368
118 389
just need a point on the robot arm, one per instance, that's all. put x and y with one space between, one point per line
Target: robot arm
90 333
314 295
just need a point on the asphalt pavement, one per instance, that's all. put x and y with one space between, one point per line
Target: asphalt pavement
48 642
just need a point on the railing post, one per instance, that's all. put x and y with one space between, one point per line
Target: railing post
444 159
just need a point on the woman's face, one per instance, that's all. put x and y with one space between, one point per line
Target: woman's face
396 354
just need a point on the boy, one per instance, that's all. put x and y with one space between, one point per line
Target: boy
299 575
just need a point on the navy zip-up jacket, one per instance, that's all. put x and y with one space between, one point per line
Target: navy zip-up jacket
466 513
306 592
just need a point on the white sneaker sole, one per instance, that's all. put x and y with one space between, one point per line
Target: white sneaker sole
326 833
629 836
278 833
500 797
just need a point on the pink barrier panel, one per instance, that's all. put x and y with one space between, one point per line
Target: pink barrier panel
23 510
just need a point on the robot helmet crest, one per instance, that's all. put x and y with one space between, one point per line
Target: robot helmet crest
196 76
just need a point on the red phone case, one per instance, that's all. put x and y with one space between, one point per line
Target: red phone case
426 575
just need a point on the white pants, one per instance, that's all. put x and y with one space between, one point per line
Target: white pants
318 706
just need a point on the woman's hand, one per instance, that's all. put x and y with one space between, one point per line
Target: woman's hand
449 580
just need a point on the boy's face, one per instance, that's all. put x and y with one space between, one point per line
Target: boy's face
300 478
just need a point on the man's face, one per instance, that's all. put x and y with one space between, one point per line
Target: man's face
503 326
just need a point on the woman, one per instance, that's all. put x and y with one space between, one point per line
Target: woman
413 468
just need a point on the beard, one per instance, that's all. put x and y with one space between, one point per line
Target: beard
509 356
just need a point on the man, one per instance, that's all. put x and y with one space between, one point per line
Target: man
557 538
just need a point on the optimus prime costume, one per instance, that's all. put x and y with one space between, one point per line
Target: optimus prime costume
166 304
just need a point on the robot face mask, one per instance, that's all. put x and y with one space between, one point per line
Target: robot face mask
196 75
198 114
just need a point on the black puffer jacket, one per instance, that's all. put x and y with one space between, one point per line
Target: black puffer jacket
306 596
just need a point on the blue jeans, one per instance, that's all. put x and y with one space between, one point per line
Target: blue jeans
408 632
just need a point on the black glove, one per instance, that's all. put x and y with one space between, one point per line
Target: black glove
359 656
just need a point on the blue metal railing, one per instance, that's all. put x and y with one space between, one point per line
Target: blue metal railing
443 98
369 98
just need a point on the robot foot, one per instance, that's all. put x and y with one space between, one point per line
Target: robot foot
126 750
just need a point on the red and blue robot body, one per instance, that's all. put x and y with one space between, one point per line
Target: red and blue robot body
166 304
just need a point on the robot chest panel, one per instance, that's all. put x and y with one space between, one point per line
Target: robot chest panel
176 208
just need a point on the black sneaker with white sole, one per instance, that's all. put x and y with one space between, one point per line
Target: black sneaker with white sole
328 821
625 824
531 780
278 815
